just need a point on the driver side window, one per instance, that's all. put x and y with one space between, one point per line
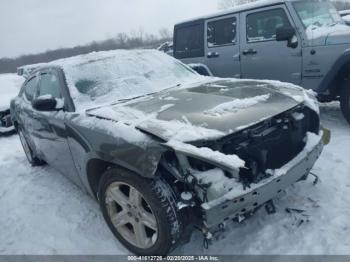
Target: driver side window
261 26
49 85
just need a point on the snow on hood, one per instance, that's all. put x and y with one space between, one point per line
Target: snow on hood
10 85
182 114
328 35
237 104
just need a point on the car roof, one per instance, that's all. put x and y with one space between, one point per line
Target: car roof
30 70
237 9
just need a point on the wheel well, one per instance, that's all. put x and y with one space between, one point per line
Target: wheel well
95 169
343 74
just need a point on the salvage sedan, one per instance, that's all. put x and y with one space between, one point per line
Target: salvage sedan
162 149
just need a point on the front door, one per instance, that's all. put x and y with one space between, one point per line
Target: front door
222 46
51 129
262 57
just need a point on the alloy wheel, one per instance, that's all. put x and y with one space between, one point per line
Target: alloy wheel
131 215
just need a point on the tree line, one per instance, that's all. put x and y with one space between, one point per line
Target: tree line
136 39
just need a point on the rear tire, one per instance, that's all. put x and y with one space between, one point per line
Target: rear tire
32 159
345 100
154 211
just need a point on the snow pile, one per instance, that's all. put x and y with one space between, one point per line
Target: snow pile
237 104
10 85
219 183
231 161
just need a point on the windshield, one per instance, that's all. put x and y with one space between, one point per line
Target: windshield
106 77
317 13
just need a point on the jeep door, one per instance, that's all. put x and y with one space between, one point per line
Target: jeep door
222 46
262 57
50 128
189 42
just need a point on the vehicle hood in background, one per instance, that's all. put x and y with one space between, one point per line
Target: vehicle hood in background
330 35
207 111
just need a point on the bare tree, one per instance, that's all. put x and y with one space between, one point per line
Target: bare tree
165 33
122 39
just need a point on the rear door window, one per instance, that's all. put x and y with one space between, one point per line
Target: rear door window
261 26
189 41
222 32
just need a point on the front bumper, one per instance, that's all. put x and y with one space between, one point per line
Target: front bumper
248 200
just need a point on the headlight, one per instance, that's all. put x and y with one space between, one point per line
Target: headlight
310 100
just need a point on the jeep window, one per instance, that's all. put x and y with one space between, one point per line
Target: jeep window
222 32
49 85
189 41
30 89
317 13
261 26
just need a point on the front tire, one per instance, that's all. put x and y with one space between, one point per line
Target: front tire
140 212
345 100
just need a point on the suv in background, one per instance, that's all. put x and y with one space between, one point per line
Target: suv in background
304 42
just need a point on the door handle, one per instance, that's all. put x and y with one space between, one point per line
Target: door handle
213 54
250 52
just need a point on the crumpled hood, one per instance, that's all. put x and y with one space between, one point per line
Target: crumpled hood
207 111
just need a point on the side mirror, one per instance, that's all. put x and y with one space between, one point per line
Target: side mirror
287 34
47 103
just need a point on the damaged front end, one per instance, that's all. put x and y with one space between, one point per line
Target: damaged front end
232 176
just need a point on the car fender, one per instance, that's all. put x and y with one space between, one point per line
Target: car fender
93 141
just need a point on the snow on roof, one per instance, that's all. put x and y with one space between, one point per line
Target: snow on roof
105 77
238 8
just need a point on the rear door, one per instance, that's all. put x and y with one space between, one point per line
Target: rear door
222 46
189 42
262 57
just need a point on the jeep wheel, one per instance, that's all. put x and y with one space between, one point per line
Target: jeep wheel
32 159
345 100
140 212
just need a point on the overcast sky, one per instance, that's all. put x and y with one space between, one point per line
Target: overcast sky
33 26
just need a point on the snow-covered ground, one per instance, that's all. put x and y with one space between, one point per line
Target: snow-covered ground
10 85
41 212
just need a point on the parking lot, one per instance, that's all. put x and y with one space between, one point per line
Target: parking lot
44 213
